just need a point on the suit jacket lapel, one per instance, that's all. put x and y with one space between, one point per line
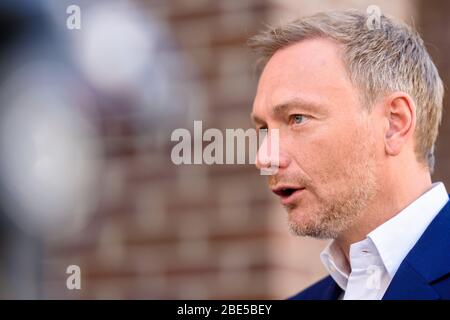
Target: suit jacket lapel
332 292
427 261
409 285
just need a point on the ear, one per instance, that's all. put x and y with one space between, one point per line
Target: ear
400 112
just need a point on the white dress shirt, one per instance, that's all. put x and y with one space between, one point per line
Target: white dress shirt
375 260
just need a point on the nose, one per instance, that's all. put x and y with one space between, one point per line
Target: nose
270 158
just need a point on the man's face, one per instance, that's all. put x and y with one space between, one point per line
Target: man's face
327 140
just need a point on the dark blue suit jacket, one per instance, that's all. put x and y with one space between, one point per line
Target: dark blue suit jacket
424 274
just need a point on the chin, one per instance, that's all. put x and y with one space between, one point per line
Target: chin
299 213
300 218
306 223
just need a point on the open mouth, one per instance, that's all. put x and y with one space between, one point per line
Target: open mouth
287 194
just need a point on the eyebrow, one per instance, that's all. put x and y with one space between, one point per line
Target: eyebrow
296 103
280 109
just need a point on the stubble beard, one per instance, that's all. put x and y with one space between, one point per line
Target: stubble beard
338 212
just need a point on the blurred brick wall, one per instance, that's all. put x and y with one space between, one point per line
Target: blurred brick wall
189 231
435 28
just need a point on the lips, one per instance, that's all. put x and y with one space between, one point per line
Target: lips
287 194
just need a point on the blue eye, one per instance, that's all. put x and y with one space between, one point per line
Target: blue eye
298 118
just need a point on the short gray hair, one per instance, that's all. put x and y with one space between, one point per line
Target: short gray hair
380 60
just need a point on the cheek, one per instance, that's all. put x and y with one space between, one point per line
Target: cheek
332 161
330 158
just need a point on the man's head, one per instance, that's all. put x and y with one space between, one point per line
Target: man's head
353 106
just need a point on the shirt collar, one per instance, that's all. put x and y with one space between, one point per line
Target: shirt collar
403 230
334 261
397 236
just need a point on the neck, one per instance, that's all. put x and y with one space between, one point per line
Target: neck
387 203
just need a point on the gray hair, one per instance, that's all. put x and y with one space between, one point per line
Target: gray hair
380 60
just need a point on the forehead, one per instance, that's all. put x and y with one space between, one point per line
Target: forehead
311 69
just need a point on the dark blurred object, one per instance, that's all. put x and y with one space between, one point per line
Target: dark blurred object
20 252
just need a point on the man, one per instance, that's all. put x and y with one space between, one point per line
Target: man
357 110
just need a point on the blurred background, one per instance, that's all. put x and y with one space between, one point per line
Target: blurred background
87 108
